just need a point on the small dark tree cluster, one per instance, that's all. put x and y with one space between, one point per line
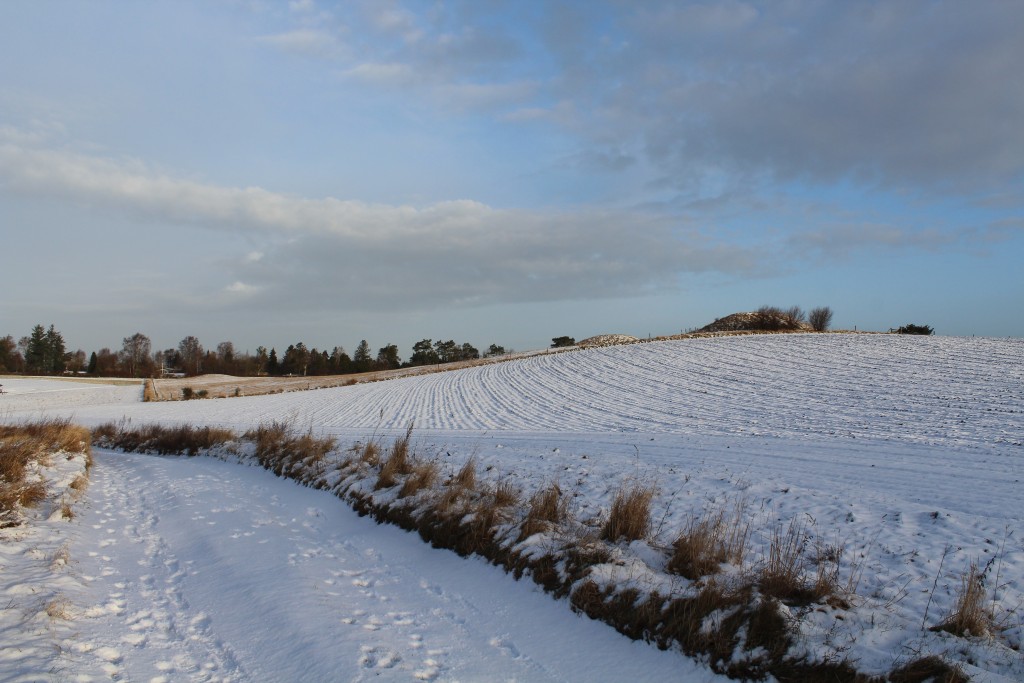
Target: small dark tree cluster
774 319
820 318
562 342
910 328
429 352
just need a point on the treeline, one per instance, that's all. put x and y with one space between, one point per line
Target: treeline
44 352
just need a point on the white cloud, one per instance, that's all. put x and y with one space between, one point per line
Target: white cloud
382 73
308 41
448 253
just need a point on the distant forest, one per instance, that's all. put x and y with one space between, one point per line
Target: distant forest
44 352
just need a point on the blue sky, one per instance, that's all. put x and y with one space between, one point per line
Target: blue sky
325 172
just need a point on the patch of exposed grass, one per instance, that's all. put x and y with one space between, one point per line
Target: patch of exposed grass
465 478
709 540
969 616
397 464
423 476
21 447
161 439
630 516
783 575
547 508
928 669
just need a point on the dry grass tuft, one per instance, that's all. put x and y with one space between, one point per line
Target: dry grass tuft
65 510
26 444
398 463
708 541
547 508
969 617
465 478
506 494
59 608
785 575
370 454
423 476
180 439
283 451
80 483
630 516
928 669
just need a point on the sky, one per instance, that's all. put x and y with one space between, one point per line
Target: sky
505 172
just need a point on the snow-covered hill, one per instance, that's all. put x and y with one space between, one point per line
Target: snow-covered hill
907 451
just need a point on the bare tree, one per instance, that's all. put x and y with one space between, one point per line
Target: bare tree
191 354
820 318
134 354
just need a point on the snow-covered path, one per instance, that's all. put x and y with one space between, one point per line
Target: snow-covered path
197 569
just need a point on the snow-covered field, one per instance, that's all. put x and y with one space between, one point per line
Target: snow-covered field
907 450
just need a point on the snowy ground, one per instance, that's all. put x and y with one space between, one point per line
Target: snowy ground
901 448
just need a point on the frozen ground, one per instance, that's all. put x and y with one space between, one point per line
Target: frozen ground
902 449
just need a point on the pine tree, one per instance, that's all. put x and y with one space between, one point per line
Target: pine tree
54 351
362 361
35 351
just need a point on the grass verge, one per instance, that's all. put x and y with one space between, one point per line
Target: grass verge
741 628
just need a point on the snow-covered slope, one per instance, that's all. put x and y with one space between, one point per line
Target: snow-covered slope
907 451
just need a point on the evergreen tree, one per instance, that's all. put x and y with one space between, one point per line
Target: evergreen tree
362 361
35 351
54 350
272 366
423 353
93 362
387 358
494 350
341 364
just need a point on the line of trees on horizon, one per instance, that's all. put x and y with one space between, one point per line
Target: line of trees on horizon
44 352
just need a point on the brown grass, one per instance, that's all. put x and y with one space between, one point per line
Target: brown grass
22 445
59 608
547 508
370 454
630 516
465 478
423 476
928 669
968 617
398 463
708 541
160 439
784 574
285 452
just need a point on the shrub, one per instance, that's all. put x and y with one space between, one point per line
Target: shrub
773 319
820 318
910 328
630 516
